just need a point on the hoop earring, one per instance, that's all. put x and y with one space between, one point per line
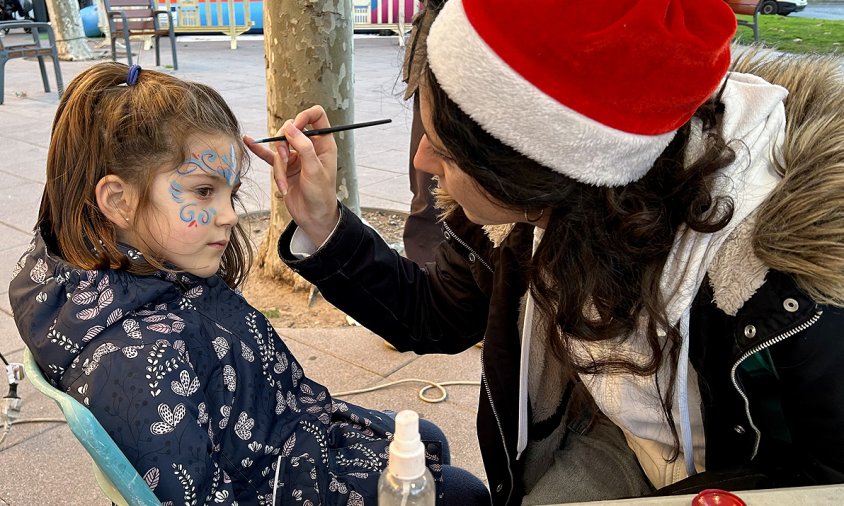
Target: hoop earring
534 220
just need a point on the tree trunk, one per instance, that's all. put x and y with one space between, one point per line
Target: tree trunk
308 50
102 24
72 44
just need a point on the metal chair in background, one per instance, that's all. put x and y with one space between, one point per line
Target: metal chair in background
33 49
130 18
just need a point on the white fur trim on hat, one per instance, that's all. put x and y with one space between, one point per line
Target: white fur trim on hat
521 116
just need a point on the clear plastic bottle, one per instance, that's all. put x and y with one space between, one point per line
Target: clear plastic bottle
406 481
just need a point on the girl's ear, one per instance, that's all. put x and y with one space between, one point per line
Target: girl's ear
116 200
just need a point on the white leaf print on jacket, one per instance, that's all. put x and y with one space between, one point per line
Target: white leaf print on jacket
169 419
185 386
243 427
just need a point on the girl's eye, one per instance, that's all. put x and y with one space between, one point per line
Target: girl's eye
204 192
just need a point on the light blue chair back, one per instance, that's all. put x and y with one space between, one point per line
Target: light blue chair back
115 475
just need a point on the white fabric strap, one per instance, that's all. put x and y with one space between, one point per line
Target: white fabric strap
524 362
681 390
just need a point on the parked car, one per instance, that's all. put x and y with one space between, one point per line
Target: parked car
783 8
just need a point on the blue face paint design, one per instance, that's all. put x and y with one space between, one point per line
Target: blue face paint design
176 192
208 162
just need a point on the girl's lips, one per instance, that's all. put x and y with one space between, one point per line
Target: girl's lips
219 244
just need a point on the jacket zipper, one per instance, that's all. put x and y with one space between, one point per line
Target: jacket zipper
472 253
472 256
498 423
756 349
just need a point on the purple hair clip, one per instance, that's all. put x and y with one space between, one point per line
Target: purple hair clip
134 72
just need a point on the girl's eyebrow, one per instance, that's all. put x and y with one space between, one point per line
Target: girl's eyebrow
207 175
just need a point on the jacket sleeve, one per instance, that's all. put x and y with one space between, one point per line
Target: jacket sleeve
150 401
810 367
436 309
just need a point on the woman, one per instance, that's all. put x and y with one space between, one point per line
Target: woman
658 275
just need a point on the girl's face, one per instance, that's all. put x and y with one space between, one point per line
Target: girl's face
431 157
191 215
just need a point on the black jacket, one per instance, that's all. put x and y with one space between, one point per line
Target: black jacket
195 386
789 433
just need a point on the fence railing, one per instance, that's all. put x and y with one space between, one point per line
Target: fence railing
228 17
393 15
235 17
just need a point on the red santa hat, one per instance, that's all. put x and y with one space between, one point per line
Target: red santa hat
592 89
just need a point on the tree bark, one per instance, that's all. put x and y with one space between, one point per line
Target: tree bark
72 45
308 49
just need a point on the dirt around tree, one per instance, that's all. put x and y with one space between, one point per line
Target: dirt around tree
288 308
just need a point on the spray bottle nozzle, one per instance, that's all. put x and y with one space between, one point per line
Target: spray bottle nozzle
407 453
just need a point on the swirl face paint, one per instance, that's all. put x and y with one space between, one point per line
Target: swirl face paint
192 206
213 164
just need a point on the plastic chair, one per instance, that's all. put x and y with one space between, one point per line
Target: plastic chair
117 478
31 49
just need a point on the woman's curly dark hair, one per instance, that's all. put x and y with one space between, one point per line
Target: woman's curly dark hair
596 273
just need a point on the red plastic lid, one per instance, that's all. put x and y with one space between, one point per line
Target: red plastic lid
716 497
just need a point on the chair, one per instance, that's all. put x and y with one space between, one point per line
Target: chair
115 475
749 8
29 50
128 18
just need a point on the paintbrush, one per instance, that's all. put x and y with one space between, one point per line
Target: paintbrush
321 131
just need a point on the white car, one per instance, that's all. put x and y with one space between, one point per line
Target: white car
783 8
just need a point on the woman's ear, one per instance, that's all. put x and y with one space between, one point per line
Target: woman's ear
116 200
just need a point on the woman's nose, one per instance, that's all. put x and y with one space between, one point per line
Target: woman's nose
426 160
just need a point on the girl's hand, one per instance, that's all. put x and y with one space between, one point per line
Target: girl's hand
305 172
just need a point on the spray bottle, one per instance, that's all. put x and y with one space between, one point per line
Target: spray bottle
406 481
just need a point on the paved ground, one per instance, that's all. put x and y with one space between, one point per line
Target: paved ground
822 10
41 463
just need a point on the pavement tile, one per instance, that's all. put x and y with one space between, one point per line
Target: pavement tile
49 470
9 257
24 168
356 346
10 340
19 207
333 372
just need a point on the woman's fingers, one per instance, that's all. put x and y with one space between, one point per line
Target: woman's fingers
278 156
260 150
305 148
316 117
280 166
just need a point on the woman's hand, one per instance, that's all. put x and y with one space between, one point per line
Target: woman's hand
305 172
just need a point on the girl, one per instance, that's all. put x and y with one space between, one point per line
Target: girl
126 299
659 279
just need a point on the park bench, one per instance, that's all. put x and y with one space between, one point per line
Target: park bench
748 8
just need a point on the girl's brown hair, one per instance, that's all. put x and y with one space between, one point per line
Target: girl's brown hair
596 273
103 126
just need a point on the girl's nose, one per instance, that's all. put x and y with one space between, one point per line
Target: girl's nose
226 215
